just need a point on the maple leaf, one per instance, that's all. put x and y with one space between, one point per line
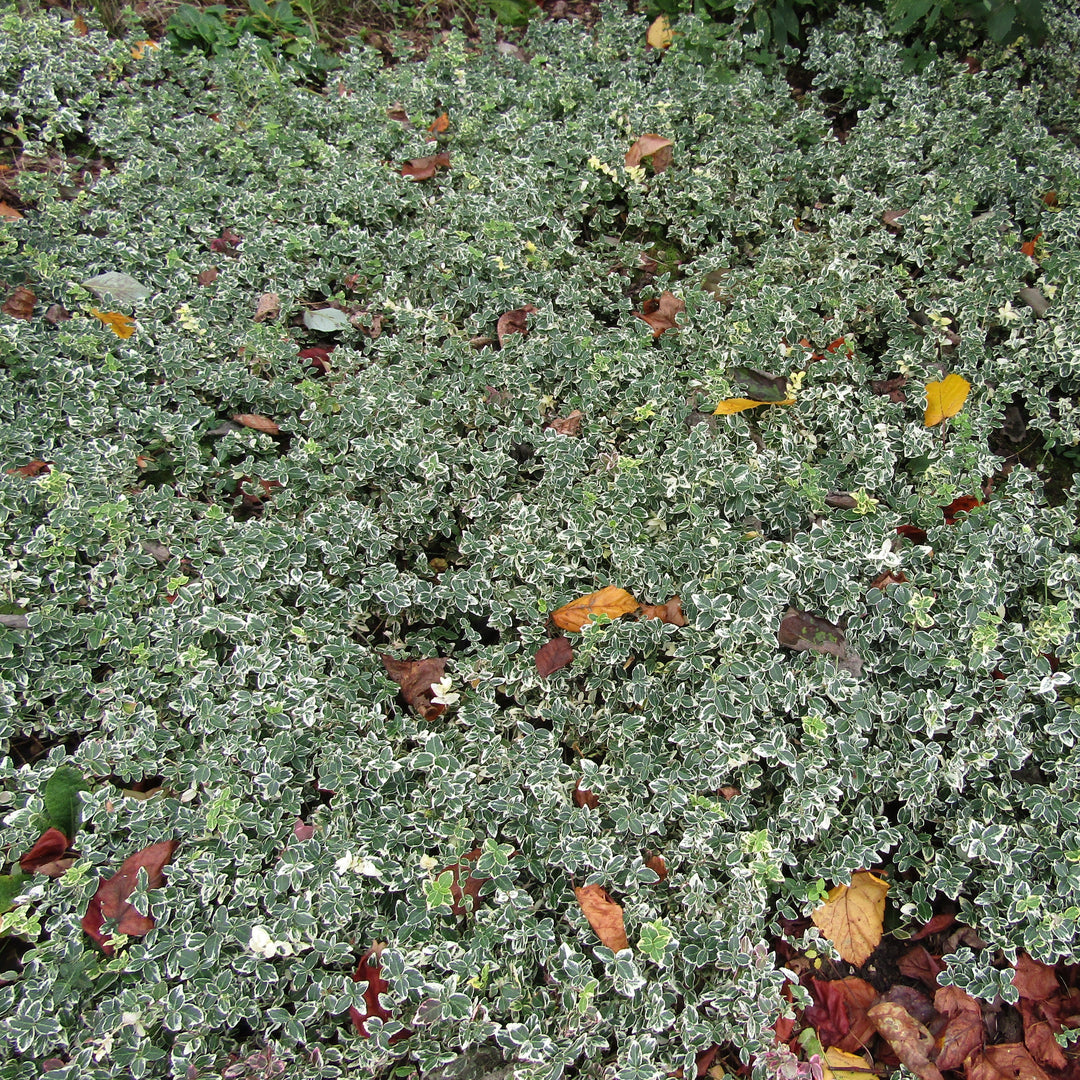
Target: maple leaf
424 168
800 632
257 423
369 970
945 398
20 304
609 601
604 915
111 899
654 147
910 1040
852 916
660 35
660 314
513 322
416 678
554 656
123 326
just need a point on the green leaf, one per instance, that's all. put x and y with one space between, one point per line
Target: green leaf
61 795
1001 22
122 287
10 887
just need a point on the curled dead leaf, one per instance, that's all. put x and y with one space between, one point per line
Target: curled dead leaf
610 601
584 797
657 865
439 124
57 314
604 915
513 322
257 423
415 677
1006 1061
566 425
654 147
660 314
425 168
801 632
964 1033
670 612
909 1039
268 307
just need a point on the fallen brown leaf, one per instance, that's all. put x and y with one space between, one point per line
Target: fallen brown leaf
397 112
801 632
554 656
513 322
660 314
918 963
465 897
655 147
31 469
1006 1061
610 601
208 277
20 304
1039 1036
439 124
44 855
415 677
604 915
965 1032
853 915
892 388
910 1041
670 612
657 865
566 425
584 797
1035 981
269 307
9 212
257 423
57 314
424 168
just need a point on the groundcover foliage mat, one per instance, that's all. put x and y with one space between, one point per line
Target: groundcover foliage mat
223 551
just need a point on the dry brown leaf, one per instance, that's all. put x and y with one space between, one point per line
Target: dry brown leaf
269 307
801 632
892 388
9 212
584 797
513 322
424 168
31 469
467 896
671 612
1035 981
1039 1036
57 314
604 915
660 314
911 1042
965 1032
46 854
852 916
20 304
1006 1061
554 656
439 124
918 963
657 865
858 997
655 147
208 277
567 425
728 792
397 112
416 677
257 423
610 601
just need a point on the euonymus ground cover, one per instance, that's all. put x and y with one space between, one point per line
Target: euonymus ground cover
198 609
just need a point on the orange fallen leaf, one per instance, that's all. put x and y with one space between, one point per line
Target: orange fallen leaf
660 314
257 423
440 123
853 915
610 601
140 48
945 398
604 915
657 865
20 304
655 147
741 404
1028 248
9 212
964 1034
1006 1061
80 27
123 326
31 469
660 34
671 612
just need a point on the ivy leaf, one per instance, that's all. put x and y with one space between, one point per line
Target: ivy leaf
610 601
945 398
123 326
61 797
853 915
604 915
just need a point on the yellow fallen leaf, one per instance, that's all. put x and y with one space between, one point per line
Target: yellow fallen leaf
945 398
840 1065
123 326
852 916
611 601
139 49
660 35
740 404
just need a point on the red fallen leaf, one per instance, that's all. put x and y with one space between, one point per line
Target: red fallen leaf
965 1032
566 425
858 996
31 469
913 533
671 612
828 1015
415 677
513 322
919 964
257 423
937 923
555 655
302 831
962 504
227 243
1006 1061
111 899
884 580
704 1059
660 314
424 168
657 865
208 277
1039 1036
50 846
20 304
1028 248
369 970
1035 981
584 797
318 358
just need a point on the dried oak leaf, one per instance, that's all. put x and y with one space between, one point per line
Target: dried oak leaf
853 915
257 423
801 632
415 677
208 277
892 388
554 656
111 899
584 797
655 147
1006 1061
910 1041
610 601
20 304
1035 981
670 612
566 425
513 322
56 314
46 854
604 915
425 168
964 1033
268 307
660 314
369 970
1039 1036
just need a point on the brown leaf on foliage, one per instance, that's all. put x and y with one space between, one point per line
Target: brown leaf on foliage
1006 1061
302 831
891 220
369 970
1039 1036
604 915
20 304
801 632
471 888
208 277
1035 981
123 326
728 792
946 918
670 612
910 1041
853 915
842 500
56 314
397 112
269 307
650 146
566 425
513 322
111 899
882 582
31 469
657 865
554 656
9 212
660 314
913 1001
257 423
892 388
584 797
439 124
46 855
424 168
415 677
610 601
965 1032
919 964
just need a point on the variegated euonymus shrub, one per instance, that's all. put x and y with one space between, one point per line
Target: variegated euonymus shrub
207 604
